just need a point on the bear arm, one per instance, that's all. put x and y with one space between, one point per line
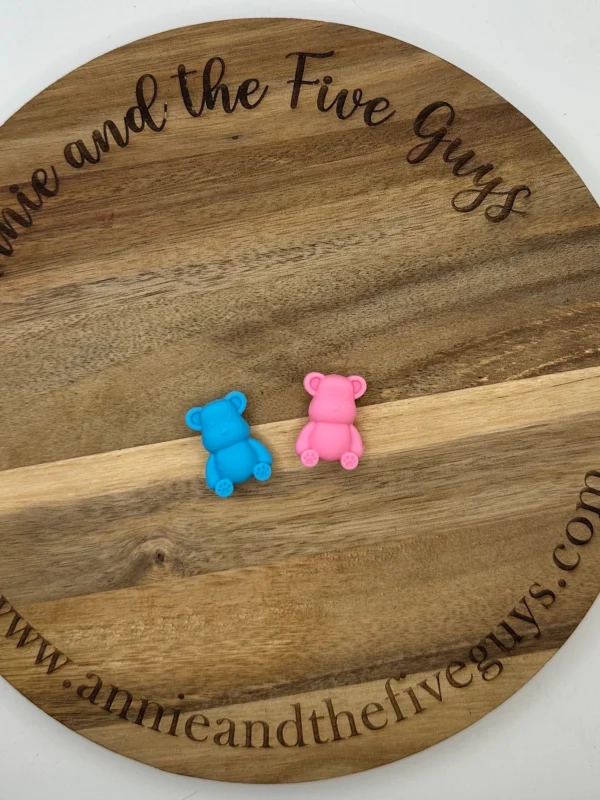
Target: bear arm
356 445
212 473
261 452
303 440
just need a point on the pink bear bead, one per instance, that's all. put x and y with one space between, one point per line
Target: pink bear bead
330 435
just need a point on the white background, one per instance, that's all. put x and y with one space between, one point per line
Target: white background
544 57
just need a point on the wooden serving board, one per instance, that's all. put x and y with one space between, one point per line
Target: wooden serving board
433 241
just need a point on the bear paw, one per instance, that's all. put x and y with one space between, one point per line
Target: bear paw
262 471
224 487
310 458
349 461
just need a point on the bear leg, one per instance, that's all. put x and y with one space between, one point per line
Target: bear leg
262 471
349 460
310 458
224 487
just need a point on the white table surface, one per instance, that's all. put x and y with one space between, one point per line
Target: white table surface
544 57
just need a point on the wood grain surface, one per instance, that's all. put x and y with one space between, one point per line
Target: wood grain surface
325 622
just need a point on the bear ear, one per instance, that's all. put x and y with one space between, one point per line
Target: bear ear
193 419
359 385
312 381
238 399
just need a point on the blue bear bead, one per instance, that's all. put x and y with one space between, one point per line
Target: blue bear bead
234 456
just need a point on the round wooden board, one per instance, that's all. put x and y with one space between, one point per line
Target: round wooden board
325 622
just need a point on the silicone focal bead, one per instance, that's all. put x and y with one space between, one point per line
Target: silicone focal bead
331 435
234 456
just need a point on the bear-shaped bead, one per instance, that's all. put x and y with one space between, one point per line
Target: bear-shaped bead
331 435
234 456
